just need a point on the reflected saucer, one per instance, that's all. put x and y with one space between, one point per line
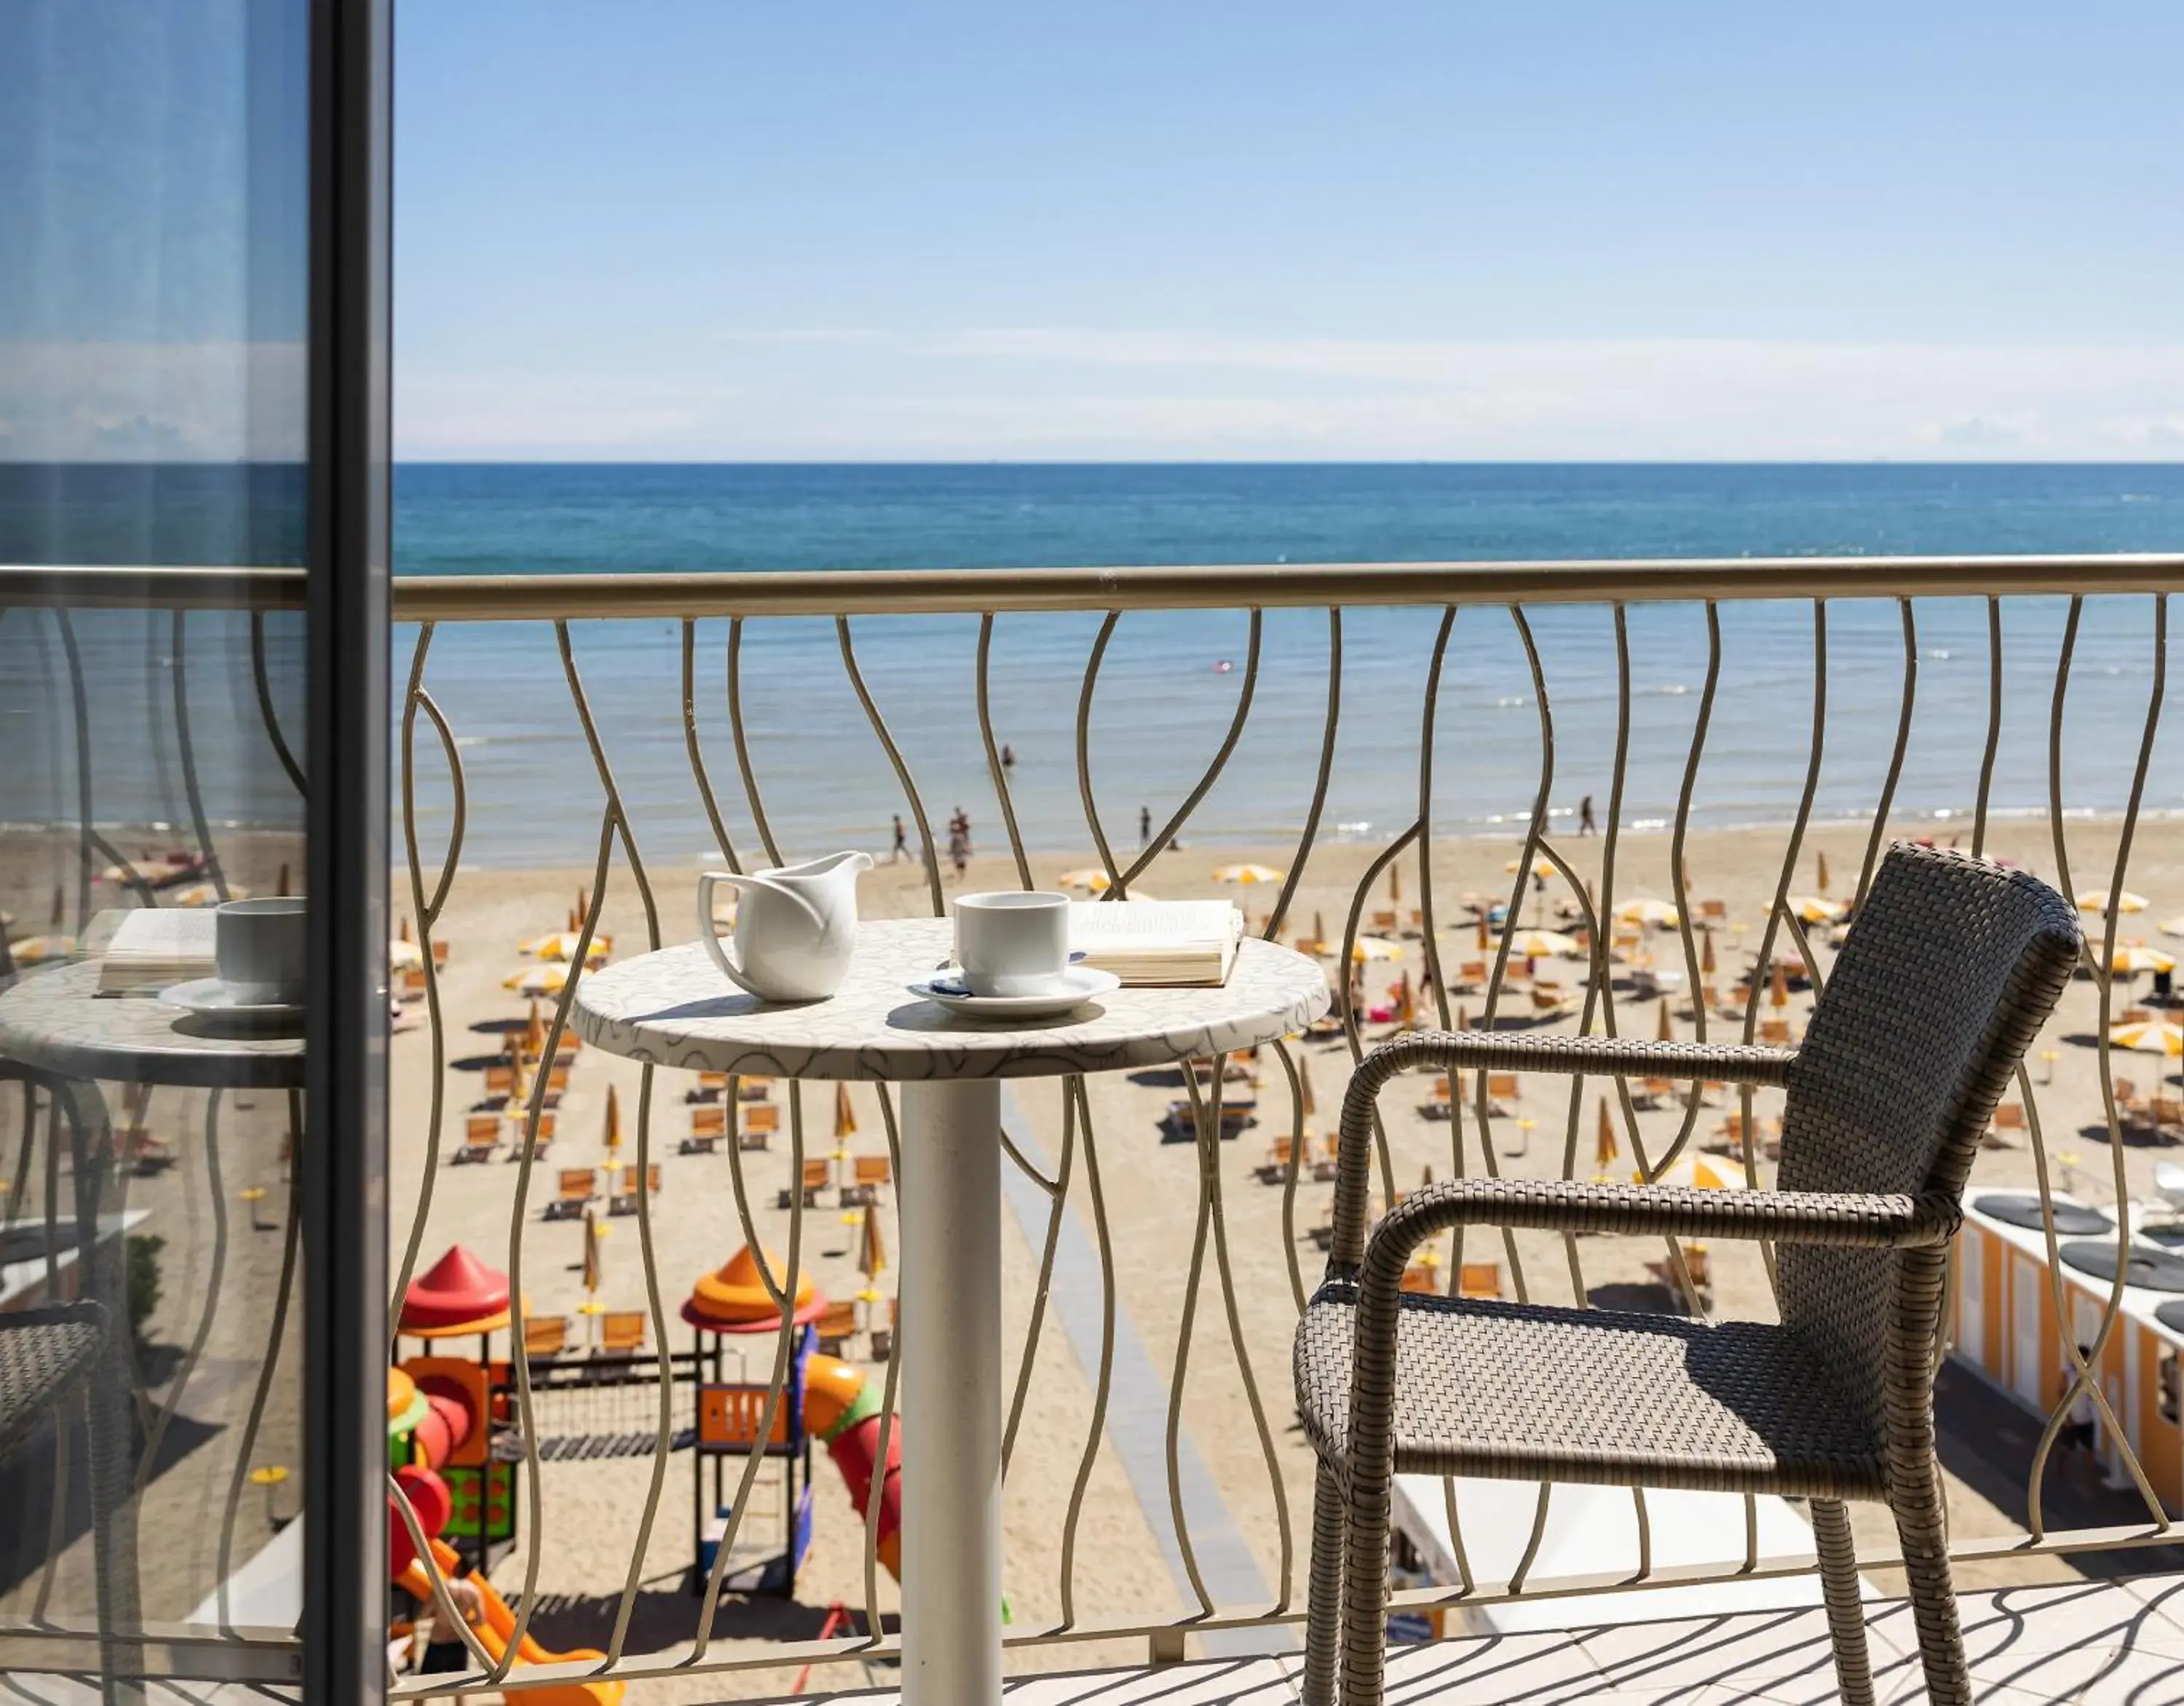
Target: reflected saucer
209 998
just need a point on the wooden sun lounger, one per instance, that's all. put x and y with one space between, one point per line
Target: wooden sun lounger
623 1199
545 1336
708 1125
577 1188
836 1326
756 1125
481 1137
622 1331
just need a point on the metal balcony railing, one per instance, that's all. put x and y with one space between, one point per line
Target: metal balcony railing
691 675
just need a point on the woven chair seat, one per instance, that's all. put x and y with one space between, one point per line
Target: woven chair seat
1529 1392
42 1353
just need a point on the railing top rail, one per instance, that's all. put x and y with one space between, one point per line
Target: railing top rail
831 592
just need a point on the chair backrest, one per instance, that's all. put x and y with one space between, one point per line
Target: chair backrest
622 1330
1479 1280
708 1122
838 1320
1501 1085
577 1184
1947 974
545 1335
874 1170
764 1117
814 1175
482 1128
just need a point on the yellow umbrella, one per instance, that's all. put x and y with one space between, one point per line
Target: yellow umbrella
1823 873
1542 868
1375 948
845 1117
1604 1149
1811 909
614 1120
1703 1173
1091 879
2097 900
537 979
2149 1037
1534 944
562 944
2131 960
404 955
1248 874
1655 912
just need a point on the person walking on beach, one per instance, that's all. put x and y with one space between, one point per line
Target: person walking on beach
1144 825
901 842
1008 756
1585 826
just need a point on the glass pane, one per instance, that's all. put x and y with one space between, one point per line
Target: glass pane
154 179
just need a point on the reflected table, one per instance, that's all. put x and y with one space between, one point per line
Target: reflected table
673 1009
58 1032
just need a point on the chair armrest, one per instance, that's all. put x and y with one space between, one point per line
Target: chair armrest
1845 1220
1732 1063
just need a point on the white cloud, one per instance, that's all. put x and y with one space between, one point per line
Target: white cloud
1058 393
144 402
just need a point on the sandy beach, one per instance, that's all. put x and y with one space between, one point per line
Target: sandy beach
593 1509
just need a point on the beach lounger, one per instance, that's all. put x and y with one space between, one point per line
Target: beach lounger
868 1173
1479 1279
623 1199
1504 1089
578 1188
1714 911
1422 1277
1323 1164
557 1084
1385 923
481 1137
882 1339
1276 1167
836 1326
816 1180
708 1125
756 1126
756 1088
500 1082
409 984
543 1143
1776 1032
545 1336
1180 1124
621 1332
711 1086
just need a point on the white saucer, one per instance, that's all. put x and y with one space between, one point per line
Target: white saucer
1072 989
209 997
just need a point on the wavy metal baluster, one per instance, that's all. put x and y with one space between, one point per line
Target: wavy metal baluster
2082 1379
263 683
1895 758
186 750
414 700
212 1294
894 758
1426 717
1057 1193
751 795
1679 883
1183 1326
1103 1380
1993 723
1309 839
1297 1143
664 1436
887 1412
785 1342
1084 752
994 767
1347 962
697 771
443 1604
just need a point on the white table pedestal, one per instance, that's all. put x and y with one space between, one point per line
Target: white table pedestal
951 1207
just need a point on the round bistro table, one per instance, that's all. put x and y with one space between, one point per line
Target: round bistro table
673 1009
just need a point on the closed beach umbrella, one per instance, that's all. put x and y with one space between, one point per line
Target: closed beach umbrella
1090 879
2149 1037
1777 992
402 934
2128 960
872 1253
1703 1173
1705 953
614 1119
1318 928
1822 875
1396 882
1653 912
1247 873
2097 900
591 1255
1667 1032
534 1030
1535 944
1604 1149
1374 948
1811 909
1407 1001
1485 939
845 1117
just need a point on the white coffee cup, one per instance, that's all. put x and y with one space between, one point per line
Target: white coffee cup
1010 943
258 948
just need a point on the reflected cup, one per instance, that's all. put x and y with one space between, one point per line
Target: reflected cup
258 948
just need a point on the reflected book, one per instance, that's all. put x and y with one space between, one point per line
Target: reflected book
1189 944
155 947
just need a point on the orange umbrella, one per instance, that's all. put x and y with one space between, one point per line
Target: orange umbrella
405 927
1824 872
872 1253
1605 1148
591 1255
1779 996
845 1117
1318 928
1407 1001
1666 1033
1705 953
1485 940
534 1030
614 1119
1395 882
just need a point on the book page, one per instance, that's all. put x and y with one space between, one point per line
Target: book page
1153 924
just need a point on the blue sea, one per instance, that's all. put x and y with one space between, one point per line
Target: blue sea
1169 683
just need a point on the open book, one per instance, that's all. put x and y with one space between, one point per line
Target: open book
1189 943
153 948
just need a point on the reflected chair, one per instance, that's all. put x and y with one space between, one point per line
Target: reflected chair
1946 977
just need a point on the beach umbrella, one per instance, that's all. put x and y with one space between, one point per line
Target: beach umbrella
1407 1001
280 882
1707 966
1604 1149
1484 939
1702 1173
614 1120
1811 909
34 950
205 894
1667 1030
2149 1037
562 944
1462 1018
1542 868
537 979
1091 878
2174 926
2097 900
1778 993
1318 928
403 933
54 919
2128 960
534 1030
1822 875
1535 944
583 905
404 955
1247 873
591 1255
1396 882
1374 948
871 1252
1653 912
845 1117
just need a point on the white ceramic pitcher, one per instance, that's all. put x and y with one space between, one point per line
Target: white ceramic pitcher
795 926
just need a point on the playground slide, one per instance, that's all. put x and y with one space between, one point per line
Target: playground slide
842 1407
500 1624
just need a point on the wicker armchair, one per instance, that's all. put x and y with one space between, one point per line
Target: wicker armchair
1952 967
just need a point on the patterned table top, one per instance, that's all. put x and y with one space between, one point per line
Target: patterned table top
57 1022
674 1008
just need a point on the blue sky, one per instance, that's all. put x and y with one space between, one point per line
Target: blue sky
674 229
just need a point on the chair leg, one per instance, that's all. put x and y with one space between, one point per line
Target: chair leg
1916 1502
1846 1615
1323 1627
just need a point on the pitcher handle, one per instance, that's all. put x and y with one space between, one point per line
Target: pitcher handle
707 882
